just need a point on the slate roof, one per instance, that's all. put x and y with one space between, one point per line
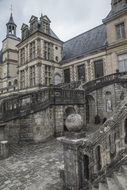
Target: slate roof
53 34
85 43
11 20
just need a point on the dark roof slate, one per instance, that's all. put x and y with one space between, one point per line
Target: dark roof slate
52 34
85 43
11 20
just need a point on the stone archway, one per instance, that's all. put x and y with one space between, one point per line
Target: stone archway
90 109
98 158
125 129
86 167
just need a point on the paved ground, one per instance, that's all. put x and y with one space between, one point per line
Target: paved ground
33 167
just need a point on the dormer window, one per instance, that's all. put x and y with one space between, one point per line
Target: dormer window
120 31
46 27
116 1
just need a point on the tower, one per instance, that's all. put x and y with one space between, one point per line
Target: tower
9 55
11 27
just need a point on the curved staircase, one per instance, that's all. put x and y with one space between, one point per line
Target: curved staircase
118 181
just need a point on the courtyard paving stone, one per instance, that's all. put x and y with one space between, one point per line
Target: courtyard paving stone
32 167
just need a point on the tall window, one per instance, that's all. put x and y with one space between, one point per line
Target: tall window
67 75
32 76
122 62
22 56
32 50
81 72
120 31
98 66
22 79
47 51
48 75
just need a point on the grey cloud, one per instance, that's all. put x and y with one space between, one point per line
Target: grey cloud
68 17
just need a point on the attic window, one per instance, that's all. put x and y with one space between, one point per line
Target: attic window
46 27
116 1
56 48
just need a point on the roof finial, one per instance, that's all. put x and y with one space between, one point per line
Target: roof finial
11 8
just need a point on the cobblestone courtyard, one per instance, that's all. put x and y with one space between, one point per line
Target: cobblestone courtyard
32 167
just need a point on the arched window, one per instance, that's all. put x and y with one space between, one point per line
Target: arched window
91 110
86 167
9 83
98 157
15 82
108 97
112 145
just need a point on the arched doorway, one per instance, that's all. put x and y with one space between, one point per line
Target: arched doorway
125 128
68 111
112 145
90 109
86 167
98 157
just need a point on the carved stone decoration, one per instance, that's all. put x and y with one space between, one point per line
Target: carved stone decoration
74 122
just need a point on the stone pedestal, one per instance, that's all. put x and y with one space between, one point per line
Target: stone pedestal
72 172
4 149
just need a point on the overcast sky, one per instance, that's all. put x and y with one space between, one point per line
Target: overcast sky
68 17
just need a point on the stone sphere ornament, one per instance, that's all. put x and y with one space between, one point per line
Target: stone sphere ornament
74 123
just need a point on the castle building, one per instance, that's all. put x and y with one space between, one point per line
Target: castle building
100 51
41 58
40 52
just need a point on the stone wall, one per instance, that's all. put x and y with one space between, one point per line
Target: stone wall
39 126
103 102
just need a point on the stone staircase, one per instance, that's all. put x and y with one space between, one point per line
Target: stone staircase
118 181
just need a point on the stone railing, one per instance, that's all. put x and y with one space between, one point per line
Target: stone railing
72 85
120 77
110 138
24 104
8 90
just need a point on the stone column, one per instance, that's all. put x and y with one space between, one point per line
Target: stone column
41 46
43 74
71 142
26 77
39 73
4 149
36 48
19 58
72 173
28 52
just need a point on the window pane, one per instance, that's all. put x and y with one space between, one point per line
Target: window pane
67 75
98 66
81 72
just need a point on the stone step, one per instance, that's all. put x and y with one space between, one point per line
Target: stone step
103 186
112 185
124 170
121 181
